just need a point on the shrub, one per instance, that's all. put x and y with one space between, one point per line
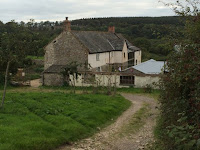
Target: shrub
148 88
180 99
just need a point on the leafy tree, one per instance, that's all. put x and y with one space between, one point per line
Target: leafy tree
72 70
7 56
180 97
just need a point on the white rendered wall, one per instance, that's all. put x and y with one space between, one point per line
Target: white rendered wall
138 57
124 51
103 59
103 80
115 57
143 81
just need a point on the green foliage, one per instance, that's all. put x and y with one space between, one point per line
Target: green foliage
47 120
71 69
148 88
35 57
2 79
180 96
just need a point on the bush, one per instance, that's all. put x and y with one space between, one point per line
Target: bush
180 99
180 96
148 89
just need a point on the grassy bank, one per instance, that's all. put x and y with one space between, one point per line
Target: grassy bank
45 121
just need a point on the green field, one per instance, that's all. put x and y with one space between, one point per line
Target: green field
42 121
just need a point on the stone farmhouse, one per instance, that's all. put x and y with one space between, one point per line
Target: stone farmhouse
99 49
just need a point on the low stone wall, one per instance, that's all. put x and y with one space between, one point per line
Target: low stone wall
50 79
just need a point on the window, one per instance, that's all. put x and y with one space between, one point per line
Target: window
97 57
124 55
136 62
127 80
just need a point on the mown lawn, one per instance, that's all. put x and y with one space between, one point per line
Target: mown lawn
42 121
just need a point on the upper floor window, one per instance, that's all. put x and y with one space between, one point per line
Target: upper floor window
124 55
97 57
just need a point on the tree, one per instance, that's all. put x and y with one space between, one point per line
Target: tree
6 57
72 70
180 96
12 51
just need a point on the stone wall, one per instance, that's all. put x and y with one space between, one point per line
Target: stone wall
53 79
65 49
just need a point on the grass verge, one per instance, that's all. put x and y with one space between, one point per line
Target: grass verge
45 121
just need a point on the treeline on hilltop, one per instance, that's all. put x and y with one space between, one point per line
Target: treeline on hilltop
32 35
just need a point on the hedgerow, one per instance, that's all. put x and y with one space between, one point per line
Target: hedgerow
179 124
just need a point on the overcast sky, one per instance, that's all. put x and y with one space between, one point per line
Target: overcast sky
57 10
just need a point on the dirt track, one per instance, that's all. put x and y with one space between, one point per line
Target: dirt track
109 139
35 83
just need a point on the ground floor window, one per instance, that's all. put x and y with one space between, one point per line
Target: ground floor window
128 80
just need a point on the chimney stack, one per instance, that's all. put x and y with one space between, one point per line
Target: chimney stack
67 25
111 29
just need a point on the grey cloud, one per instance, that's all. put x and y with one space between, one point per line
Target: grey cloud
74 9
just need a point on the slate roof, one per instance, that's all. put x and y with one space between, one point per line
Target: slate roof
98 42
55 69
150 67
